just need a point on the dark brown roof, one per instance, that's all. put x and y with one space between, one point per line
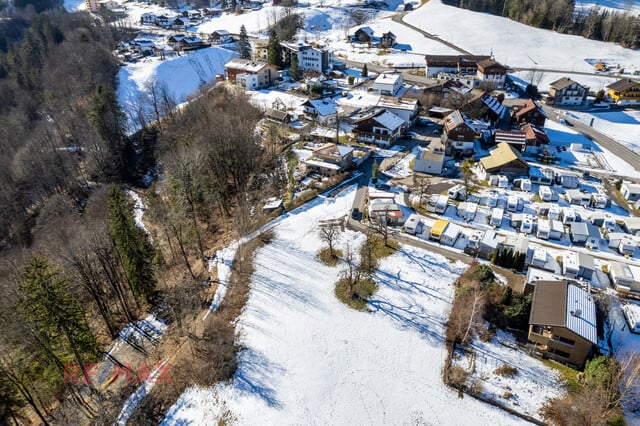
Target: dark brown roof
624 84
453 60
275 114
549 304
527 106
562 83
490 63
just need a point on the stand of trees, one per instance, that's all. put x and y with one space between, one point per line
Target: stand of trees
561 16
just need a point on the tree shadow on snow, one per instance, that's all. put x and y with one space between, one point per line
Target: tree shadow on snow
414 318
255 376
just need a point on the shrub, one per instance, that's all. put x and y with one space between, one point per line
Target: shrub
507 395
476 387
325 256
357 294
506 371
458 376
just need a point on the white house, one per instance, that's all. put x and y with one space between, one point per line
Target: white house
310 57
405 108
430 159
630 191
387 84
323 110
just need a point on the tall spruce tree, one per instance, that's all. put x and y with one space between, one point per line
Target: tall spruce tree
294 71
365 71
135 254
274 50
59 318
245 47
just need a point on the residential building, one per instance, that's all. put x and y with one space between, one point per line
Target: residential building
528 113
491 73
630 191
624 92
430 159
250 74
405 108
322 110
567 92
387 40
504 160
277 116
92 5
460 134
489 244
380 127
364 35
310 57
331 158
562 324
220 37
454 64
534 136
483 106
515 138
387 84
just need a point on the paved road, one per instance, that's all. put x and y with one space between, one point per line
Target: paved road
612 145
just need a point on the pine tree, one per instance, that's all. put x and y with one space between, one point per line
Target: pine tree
274 50
365 71
135 255
375 170
245 47
293 69
59 318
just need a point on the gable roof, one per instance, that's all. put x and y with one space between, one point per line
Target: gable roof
456 119
276 114
488 63
453 60
624 84
501 155
490 102
562 83
367 30
511 137
388 119
527 106
338 151
532 131
324 106
558 303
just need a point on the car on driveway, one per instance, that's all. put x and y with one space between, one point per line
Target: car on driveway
355 214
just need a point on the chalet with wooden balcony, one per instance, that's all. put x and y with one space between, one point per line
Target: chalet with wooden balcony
380 127
528 112
625 92
562 324
567 92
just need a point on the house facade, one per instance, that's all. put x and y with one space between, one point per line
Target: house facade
310 57
331 158
492 73
387 84
567 92
528 113
323 110
250 74
452 64
388 39
430 159
460 135
624 92
381 127
562 324
364 35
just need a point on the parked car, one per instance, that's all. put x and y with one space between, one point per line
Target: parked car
355 214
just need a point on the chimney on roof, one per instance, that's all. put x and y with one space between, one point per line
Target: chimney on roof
576 313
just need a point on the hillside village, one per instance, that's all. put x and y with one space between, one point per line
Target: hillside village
453 153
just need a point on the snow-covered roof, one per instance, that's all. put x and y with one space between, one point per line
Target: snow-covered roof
324 106
387 79
322 164
367 30
388 120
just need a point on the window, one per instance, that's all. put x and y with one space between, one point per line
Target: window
559 353
564 340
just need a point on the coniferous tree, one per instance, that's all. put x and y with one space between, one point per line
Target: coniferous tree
365 71
274 50
294 71
135 255
245 47
60 320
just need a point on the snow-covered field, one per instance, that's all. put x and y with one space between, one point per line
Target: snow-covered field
181 75
623 126
309 359
516 44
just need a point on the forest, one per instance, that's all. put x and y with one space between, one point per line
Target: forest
74 267
562 16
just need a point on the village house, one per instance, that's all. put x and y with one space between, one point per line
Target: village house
430 159
504 160
220 37
534 136
567 92
387 40
330 159
277 116
322 110
380 127
387 84
460 135
189 43
515 138
310 57
624 92
528 113
251 75
630 191
383 207
491 73
562 324
483 106
364 35
405 108
452 64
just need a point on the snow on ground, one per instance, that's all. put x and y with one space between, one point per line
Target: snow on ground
266 97
139 207
592 156
544 79
73 5
623 126
310 358
632 6
181 75
532 385
526 47
223 260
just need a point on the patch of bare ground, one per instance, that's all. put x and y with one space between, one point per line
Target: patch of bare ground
208 353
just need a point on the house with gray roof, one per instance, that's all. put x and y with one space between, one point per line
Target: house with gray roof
562 324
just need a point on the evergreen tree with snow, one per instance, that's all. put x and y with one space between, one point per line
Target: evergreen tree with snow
245 46
274 49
